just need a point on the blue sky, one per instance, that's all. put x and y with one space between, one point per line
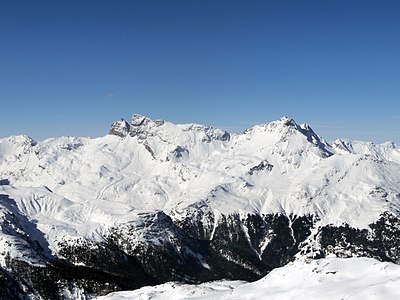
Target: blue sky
73 67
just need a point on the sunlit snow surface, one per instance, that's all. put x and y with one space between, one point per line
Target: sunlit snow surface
329 279
79 187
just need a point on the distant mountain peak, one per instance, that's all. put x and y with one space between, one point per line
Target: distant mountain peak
120 128
287 121
138 120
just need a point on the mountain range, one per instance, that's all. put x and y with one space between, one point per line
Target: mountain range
153 202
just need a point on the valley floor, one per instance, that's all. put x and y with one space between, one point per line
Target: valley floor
329 278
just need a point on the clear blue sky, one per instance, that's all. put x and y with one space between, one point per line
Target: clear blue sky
73 67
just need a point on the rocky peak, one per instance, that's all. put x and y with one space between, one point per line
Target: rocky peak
286 128
286 121
315 139
143 126
139 124
138 120
120 128
282 127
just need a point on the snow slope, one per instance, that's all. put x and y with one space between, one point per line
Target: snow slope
323 279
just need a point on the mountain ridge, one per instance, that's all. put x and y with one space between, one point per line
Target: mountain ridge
193 199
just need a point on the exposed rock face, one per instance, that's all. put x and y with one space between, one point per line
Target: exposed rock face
264 165
143 127
381 241
120 128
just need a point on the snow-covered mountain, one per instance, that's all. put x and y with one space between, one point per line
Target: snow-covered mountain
154 201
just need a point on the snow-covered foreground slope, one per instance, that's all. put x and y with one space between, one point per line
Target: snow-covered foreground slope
322 279
153 202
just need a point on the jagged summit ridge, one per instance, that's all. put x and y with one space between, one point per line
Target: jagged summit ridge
141 125
160 137
122 127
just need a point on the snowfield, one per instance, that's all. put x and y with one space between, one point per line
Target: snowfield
323 279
